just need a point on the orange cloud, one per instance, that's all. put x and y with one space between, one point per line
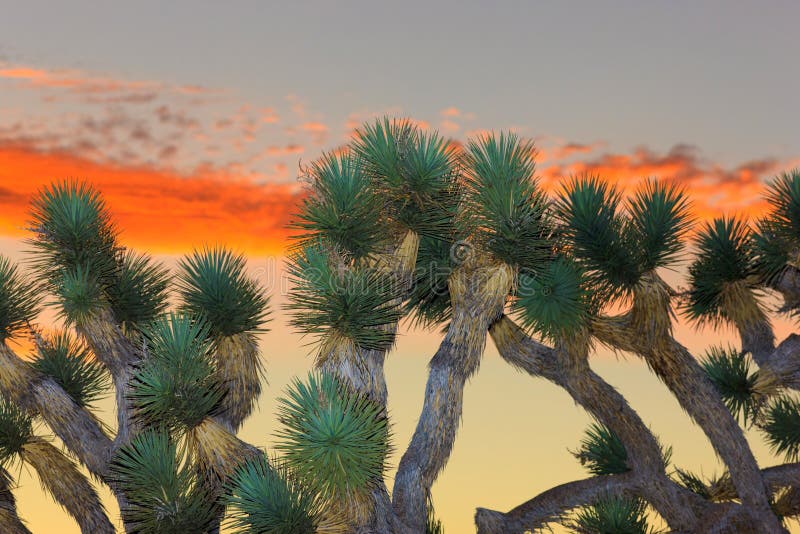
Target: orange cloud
713 189
157 211
450 112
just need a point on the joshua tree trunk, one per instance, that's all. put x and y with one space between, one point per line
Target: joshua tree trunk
478 295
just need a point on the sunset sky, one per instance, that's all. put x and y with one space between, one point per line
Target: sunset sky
193 119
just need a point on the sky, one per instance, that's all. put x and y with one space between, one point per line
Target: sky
195 118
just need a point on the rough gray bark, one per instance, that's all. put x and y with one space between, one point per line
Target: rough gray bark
478 294
679 507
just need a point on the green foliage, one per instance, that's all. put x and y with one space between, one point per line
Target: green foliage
777 240
137 293
72 229
333 439
213 284
505 205
781 427
19 302
164 495
724 256
659 215
733 377
599 236
71 365
413 172
79 295
343 207
331 298
693 483
16 429
612 515
555 302
428 301
268 499
175 386
602 452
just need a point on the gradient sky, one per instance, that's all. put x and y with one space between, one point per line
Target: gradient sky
193 119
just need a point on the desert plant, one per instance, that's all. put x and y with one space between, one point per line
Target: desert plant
401 223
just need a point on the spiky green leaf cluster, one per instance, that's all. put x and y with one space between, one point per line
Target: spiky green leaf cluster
659 215
19 302
733 377
693 483
331 297
432 524
505 205
602 452
612 515
70 364
164 494
72 229
213 284
343 207
16 429
777 239
724 256
79 295
412 171
334 439
137 291
554 302
175 386
598 234
428 300
781 426
266 498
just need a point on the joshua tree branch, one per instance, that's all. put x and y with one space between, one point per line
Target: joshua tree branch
9 520
610 408
684 377
40 395
554 503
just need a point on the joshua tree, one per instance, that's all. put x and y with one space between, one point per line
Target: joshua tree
401 223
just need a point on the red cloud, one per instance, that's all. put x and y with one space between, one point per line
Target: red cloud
157 210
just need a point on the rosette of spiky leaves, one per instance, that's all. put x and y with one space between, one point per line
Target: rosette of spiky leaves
266 497
733 377
332 438
333 298
19 302
72 228
781 425
342 207
506 208
659 215
16 429
429 298
693 483
554 302
612 515
175 386
79 295
213 284
413 172
602 452
777 241
722 277
70 364
164 494
598 235
137 291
